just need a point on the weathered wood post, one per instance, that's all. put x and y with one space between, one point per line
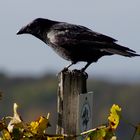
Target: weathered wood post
74 105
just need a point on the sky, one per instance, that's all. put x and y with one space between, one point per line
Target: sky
26 55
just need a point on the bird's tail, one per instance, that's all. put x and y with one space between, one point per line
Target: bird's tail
121 50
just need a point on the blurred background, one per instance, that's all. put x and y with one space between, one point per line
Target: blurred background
28 67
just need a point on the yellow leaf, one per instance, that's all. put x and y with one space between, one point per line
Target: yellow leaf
55 138
34 127
88 138
39 126
114 116
6 135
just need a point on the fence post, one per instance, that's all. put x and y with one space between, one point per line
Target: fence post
74 105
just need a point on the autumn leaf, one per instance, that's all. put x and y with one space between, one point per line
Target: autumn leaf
6 135
40 125
114 116
55 137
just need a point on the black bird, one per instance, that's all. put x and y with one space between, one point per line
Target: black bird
75 42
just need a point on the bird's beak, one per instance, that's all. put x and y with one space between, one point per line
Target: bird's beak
23 30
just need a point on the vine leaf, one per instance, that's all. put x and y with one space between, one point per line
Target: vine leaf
39 126
114 117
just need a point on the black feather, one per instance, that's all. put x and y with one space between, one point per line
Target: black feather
75 42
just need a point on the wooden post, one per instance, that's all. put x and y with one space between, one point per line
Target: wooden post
71 100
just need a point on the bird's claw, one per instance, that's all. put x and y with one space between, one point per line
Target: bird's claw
82 70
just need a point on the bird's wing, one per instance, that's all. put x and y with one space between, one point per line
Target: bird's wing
76 35
79 32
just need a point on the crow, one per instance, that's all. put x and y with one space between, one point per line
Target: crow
75 42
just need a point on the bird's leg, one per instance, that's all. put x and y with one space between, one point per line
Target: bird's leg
84 68
69 65
66 68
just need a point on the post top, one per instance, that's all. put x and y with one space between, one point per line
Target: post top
74 73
